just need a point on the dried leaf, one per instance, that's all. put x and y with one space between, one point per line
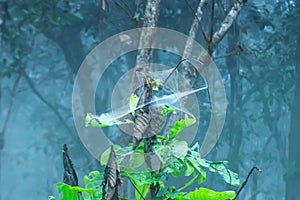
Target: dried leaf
70 176
111 180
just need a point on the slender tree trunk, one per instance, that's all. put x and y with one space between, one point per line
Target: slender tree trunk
293 170
143 63
235 106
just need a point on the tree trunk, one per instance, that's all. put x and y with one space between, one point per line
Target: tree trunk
235 106
293 171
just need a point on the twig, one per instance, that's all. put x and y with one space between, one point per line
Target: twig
38 94
197 18
246 180
9 111
211 31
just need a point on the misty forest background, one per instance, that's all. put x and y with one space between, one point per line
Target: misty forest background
43 43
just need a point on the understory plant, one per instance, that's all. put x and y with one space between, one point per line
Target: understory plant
174 158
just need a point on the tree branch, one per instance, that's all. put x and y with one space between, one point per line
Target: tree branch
227 23
245 182
38 94
193 30
9 111
147 36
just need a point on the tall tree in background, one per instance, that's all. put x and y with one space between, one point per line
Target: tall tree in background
293 168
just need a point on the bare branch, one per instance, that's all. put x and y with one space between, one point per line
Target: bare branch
9 111
147 35
227 23
146 40
245 182
193 30
38 94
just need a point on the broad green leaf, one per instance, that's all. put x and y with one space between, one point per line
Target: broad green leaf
179 148
133 102
71 192
104 120
180 125
106 153
93 181
170 193
207 194
197 166
229 176
219 166
143 189
164 152
174 167
125 156
181 197
93 178
141 177
51 198
136 159
202 178
172 151
189 168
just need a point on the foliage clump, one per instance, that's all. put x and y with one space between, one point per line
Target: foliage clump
174 157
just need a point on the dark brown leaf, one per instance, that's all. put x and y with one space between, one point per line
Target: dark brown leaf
111 180
70 176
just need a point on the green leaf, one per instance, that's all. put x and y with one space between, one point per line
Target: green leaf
51 198
136 159
165 110
133 102
179 148
140 177
180 125
181 197
104 120
106 153
202 178
189 183
174 167
218 166
172 151
189 168
197 166
93 181
170 193
229 176
207 194
164 152
160 138
143 190
71 192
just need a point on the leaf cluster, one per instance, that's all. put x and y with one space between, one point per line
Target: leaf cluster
175 158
